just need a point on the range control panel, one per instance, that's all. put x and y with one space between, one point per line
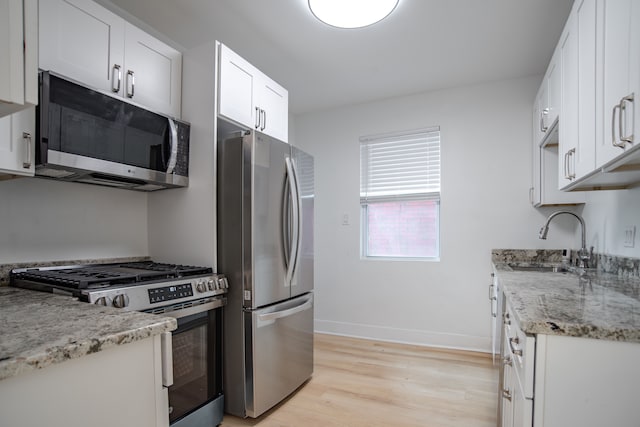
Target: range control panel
168 293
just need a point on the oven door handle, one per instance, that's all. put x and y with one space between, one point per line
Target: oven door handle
184 312
166 353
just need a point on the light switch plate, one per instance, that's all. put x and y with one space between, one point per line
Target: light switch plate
630 236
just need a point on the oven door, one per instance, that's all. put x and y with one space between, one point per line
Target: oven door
197 365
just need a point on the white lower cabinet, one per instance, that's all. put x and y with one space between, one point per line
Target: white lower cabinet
17 146
119 386
586 382
560 381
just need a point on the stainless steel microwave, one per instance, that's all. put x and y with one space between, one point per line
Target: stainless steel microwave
88 136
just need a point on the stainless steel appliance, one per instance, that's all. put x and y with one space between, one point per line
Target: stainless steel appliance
265 246
193 295
84 135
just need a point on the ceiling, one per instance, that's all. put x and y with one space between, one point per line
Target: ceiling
423 45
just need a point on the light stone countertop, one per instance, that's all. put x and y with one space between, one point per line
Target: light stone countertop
591 305
39 329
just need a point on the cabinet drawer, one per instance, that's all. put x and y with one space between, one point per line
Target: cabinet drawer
521 347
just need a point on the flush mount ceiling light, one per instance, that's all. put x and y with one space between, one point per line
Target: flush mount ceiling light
351 13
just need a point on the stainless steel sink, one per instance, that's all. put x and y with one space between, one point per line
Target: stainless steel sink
540 268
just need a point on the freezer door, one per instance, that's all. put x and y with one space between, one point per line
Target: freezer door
302 280
279 355
265 266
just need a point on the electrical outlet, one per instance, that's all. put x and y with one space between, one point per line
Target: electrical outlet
345 219
630 236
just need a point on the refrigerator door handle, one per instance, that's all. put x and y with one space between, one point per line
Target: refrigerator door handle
285 313
295 237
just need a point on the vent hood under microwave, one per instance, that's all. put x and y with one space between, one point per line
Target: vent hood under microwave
89 136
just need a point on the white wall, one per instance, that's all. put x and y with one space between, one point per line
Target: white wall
485 134
606 215
44 220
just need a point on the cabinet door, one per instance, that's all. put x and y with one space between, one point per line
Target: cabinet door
19 53
153 72
273 100
553 89
506 392
11 52
568 132
83 41
236 89
17 136
617 60
585 156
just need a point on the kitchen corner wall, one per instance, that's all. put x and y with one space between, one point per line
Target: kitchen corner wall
42 220
486 155
606 214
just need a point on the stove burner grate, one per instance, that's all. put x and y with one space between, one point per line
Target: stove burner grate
105 275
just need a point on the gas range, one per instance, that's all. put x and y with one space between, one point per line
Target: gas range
133 286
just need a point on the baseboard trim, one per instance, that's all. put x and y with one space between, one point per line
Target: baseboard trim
405 336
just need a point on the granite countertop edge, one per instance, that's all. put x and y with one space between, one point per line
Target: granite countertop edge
525 301
65 329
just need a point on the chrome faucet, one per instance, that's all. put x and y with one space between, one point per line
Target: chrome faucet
583 253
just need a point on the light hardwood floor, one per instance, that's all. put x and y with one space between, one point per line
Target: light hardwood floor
374 384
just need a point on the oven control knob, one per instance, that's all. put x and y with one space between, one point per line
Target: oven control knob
211 285
201 287
121 301
223 283
103 301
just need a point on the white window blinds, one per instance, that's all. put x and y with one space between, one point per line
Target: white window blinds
395 167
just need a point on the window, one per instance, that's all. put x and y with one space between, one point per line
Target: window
400 194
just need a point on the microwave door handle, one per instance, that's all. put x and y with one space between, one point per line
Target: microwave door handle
173 141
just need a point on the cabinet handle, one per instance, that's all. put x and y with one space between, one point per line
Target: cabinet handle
116 68
572 175
133 84
565 165
506 319
613 127
623 114
258 116
26 136
531 195
491 292
543 113
506 394
507 361
512 346
264 120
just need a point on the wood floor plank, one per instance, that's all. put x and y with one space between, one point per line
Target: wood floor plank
368 383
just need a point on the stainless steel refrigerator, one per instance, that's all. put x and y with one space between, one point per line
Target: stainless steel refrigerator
265 202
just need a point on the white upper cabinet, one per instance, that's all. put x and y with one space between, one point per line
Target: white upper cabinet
236 90
250 98
600 70
621 78
548 101
273 102
19 53
85 42
17 149
578 94
156 69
